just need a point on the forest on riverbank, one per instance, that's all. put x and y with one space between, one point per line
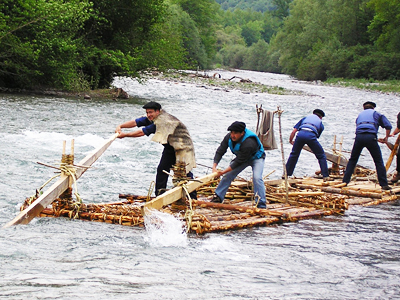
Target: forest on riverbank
78 45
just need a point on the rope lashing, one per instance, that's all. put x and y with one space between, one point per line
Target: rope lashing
189 212
39 192
70 170
150 191
280 112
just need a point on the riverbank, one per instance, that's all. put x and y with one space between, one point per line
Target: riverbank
113 93
208 80
385 86
215 81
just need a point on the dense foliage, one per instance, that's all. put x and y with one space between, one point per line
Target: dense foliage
81 44
256 5
340 38
315 39
244 35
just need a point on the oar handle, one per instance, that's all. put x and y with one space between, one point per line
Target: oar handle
394 150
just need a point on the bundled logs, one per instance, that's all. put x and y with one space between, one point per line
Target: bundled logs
307 198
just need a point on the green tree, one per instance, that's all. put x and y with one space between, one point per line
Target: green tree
255 5
385 26
256 58
38 42
75 44
118 36
315 31
281 10
252 32
203 13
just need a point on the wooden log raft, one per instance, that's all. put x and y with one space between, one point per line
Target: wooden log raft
96 217
343 191
60 186
247 209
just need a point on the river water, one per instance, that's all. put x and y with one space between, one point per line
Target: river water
355 256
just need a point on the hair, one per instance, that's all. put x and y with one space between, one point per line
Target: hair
319 112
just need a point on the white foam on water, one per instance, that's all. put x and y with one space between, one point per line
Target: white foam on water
164 230
226 247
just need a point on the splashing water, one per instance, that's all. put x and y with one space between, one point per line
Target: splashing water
164 230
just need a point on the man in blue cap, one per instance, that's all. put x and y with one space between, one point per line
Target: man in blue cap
249 152
172 134
308 130
367 125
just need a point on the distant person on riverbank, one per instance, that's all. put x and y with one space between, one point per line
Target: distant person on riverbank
367 125
249 152
171 133
307 132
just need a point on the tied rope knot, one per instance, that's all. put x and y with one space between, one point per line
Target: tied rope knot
70 170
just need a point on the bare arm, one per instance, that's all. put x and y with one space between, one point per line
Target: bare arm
136 133
292 135
387 134
129 124
396 131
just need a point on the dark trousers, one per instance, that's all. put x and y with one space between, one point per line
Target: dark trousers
398 160
304 137
168 159
369 141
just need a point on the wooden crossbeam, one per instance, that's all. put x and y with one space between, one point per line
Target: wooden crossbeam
176 193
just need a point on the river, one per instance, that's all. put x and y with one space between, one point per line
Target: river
354 256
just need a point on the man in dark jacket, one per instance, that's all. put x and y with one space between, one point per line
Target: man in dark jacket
169 132
249 152
308 130
367 125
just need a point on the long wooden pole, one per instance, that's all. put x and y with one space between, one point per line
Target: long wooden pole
53 192
279 111
392 154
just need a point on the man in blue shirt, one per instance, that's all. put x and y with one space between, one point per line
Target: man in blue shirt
249 152
367 125
308 130
171 133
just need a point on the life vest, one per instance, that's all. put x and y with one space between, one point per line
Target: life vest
366 122
247 133
312 122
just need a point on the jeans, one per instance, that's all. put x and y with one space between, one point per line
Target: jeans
307 137
257 166
369 141
168 159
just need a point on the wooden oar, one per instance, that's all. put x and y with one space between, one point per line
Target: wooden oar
58 187
393 153
337 159
176 193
